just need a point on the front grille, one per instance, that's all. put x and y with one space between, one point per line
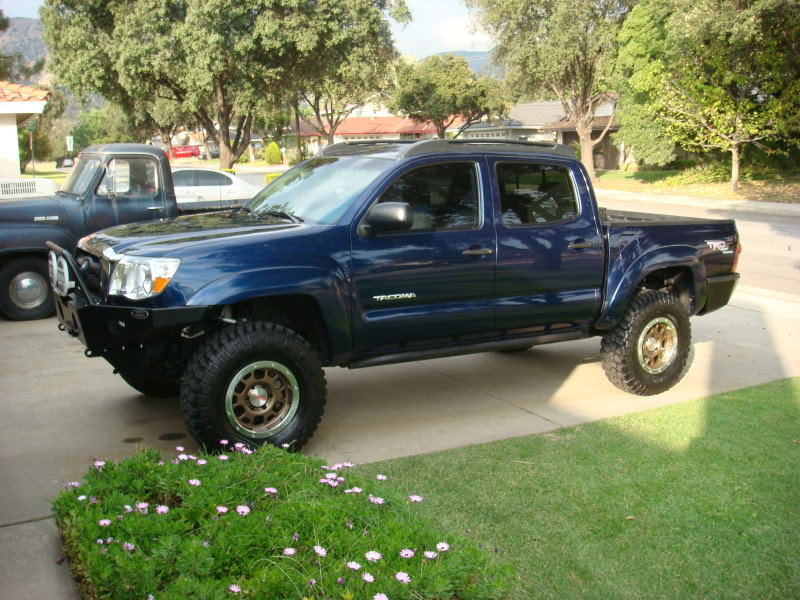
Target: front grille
94 272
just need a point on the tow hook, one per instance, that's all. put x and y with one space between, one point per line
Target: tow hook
190 333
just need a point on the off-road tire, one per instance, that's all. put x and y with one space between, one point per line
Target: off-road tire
619 346
214 365
8 272
153 385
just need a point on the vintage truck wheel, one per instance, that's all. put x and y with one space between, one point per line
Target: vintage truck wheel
648 351
153 385
24 290
256 383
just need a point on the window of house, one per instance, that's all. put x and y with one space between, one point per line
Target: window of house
443 196
534 194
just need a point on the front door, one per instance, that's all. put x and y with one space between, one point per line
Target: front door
130 191
430 285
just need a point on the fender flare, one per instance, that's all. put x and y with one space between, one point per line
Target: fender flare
329 291
620 290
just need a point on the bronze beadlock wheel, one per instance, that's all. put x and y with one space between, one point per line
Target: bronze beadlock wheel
262 398
657 345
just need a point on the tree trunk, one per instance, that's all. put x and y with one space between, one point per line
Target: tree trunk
226 156
297 131
251 153
735 168
587 150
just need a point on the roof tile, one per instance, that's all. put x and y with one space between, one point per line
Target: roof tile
16 92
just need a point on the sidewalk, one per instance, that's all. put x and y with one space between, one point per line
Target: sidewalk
769 208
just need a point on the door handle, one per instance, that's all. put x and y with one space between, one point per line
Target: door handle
577 244
478 252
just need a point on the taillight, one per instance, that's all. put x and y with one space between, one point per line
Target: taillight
736 255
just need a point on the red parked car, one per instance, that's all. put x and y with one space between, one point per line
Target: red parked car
185 152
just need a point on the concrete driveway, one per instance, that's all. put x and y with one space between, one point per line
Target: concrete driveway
60 409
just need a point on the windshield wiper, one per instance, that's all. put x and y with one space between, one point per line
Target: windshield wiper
283 215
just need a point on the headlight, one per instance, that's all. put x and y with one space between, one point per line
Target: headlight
138 277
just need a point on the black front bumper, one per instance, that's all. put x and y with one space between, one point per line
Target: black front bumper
101 327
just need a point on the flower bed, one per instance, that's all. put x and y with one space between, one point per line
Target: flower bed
269 524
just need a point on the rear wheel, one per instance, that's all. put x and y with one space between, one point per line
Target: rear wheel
256 383
647 352
24 290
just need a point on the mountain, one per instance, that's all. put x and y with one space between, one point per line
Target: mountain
24 37
479 61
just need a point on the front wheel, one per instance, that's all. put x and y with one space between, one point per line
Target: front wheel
648 351
24 290
256 383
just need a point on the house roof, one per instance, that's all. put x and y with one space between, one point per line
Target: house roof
375 126
16 92
597 123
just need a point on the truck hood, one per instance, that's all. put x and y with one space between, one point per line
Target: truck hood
46 210
170 237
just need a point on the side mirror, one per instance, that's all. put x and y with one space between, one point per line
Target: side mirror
391 216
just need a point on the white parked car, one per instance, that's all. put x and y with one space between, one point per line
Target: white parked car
197 188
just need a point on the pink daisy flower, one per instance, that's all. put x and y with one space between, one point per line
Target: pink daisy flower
222 509
402 577
72 484
430 555
243 509
183 457
367 577
380 477
376 500
82 497
373 556
99 464
414 498
179 448
194 482
347 465
271 491
128 547
234 589
443 546
201 461
223 457
104 522
353 565
353 490
285 446
289 551
407 553
320 551
223 442
161 509
380 597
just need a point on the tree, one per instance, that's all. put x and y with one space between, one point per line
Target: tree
443 89
714 74
561 48
42 136
111 124
224 61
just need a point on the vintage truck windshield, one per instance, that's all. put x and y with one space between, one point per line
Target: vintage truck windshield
81 176
319 190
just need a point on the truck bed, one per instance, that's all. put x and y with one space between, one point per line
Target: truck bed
629 218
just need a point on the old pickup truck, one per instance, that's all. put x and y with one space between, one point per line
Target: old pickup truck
110 185
383 252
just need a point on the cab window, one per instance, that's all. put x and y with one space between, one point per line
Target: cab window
535 194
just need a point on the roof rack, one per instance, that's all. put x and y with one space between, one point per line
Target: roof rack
419 147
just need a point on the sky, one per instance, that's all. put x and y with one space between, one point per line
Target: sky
437 26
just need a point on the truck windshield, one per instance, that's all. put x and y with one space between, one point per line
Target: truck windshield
318 190
81 176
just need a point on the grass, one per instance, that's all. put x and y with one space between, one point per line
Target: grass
695 500
47 171
783 189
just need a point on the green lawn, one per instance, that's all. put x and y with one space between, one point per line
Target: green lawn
57 176
696 500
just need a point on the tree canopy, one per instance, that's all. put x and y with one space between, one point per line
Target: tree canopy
224 61
557 48
443 89
710 74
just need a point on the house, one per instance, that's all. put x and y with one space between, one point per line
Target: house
607 155
18 105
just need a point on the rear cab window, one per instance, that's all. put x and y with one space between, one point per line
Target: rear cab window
535 194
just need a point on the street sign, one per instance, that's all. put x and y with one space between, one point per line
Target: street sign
30 126
70 143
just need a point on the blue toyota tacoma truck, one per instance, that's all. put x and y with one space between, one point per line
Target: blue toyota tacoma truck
383 252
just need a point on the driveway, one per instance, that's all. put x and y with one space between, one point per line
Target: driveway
60 409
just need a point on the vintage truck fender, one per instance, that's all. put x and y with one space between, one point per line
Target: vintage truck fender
29 239
328 289
625 275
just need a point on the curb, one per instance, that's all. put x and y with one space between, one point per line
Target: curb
749 206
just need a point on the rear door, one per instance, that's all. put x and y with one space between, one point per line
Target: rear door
433 284
550 258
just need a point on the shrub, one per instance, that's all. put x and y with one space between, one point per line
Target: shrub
292 157
231 171
710 173
272 154
244 158
270 525
270 177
